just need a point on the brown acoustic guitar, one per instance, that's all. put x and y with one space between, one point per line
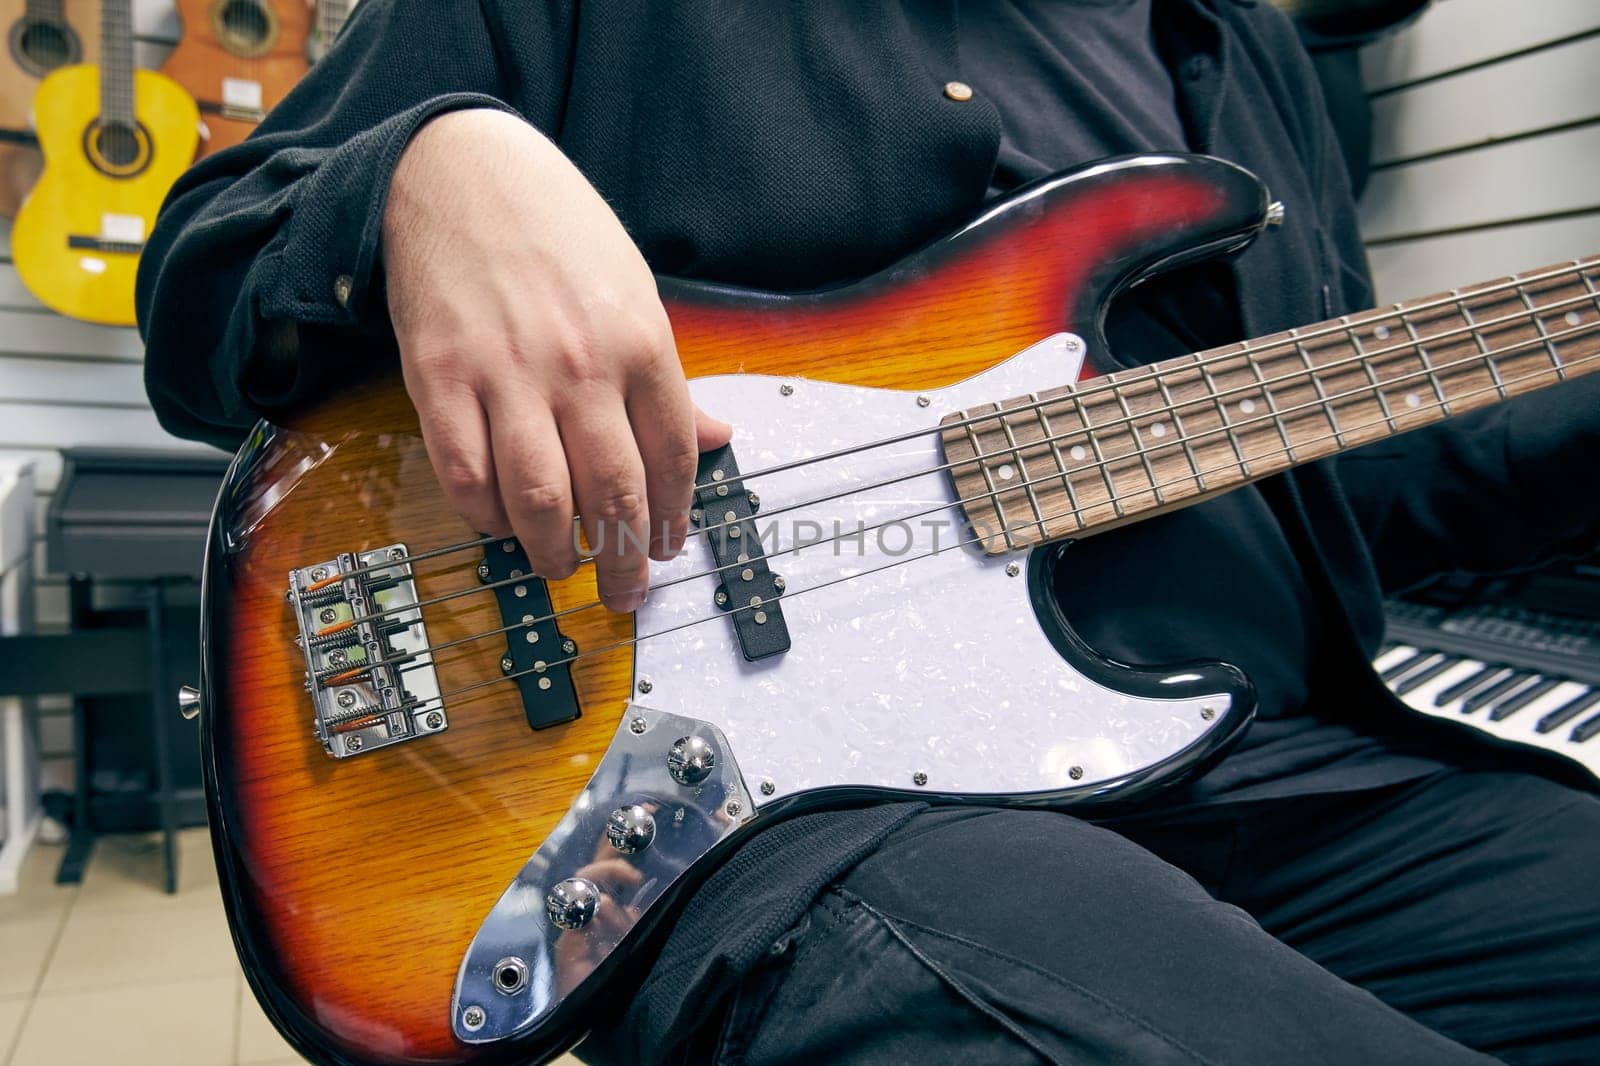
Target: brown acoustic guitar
40 36
239 58
450 800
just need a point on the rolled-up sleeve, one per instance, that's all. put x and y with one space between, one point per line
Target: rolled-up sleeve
261 284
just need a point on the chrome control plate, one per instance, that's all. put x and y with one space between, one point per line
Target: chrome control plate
359 634
598 873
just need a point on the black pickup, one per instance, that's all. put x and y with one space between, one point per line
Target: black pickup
538 655
749 591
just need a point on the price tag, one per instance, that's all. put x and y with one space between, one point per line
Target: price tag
121 229
241 94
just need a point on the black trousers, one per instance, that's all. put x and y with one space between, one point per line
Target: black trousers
1446 920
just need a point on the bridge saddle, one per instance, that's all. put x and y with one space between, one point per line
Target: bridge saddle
368 669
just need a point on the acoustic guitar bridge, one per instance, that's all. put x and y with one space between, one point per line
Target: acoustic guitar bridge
368 668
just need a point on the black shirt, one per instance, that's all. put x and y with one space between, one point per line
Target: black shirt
790 146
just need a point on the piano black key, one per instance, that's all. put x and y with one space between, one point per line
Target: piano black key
1524 696
1469 684
1406 665
1402 666
1422 677
1504 687
1567 711
1586 729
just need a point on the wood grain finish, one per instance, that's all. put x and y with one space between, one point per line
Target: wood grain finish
1084 459
213 47
354 886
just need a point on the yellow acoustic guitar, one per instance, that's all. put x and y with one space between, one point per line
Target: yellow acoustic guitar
114 140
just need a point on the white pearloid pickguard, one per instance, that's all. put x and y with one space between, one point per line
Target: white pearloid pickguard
936 666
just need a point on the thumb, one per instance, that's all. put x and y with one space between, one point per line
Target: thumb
710 432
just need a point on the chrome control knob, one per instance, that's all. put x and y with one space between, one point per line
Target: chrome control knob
630 829
189 702
691 760
571 903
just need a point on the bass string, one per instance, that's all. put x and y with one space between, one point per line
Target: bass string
1099 389
1103 464
438 701
1070 511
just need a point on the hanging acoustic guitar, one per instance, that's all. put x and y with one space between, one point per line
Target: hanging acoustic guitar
40 36
450 800
238 58
114 140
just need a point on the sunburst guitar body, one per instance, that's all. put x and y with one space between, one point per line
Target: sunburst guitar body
77 238
39 36
238 58
450 801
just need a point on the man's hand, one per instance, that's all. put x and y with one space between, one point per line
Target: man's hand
537 352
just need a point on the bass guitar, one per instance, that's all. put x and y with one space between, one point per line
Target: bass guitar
114 140
450 800
238 58
40 36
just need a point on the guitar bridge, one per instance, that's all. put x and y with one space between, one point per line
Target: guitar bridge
368 669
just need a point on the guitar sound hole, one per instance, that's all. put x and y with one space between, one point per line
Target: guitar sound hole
41 47
245 25
118 144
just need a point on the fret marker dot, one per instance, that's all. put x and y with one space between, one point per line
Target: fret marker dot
1413 400
1247 406
1079 453
1006 471
1573 318
1159 429
1382 333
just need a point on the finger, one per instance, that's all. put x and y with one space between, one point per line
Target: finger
608 479
455 432
534 486
663 422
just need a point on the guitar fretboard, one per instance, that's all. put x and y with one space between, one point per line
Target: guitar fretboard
1078 460
116 62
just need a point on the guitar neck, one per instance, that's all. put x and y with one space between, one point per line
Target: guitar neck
330 17
1112 450
116 62
51 11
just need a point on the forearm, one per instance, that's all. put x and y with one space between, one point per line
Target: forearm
262 281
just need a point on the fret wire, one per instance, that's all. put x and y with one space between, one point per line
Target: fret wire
1483 345
1588 283
1372 376
1055 451
1316 383
1022 468
1138 440
994 497
1427 363
1183 434
1272 405
1100 459
1538 324
1227 425
1376 389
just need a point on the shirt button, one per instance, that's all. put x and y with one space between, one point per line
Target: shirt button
958 91
341 289
1196 67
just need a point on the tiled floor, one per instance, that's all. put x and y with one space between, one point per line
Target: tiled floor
114 972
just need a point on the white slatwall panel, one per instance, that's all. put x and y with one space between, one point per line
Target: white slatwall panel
1486 137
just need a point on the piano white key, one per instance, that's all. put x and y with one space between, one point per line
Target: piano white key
1393 656
1421 698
